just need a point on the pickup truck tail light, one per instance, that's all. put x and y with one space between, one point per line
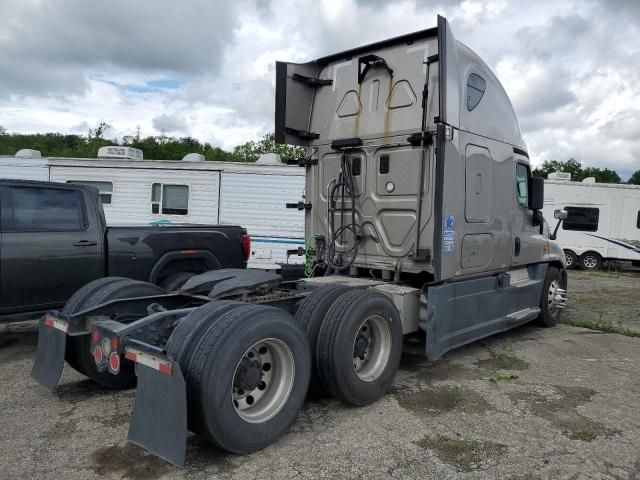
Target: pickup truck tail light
246 246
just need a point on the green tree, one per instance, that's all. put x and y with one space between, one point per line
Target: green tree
251 150
3 131
635 178
571 166
601 175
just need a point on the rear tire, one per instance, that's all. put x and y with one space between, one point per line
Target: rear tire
571 259
359 347
185 340
590 261
310 315
549 313
81 300
173 282
79 347
250 375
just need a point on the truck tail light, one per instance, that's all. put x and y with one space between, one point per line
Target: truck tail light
246 246
114 362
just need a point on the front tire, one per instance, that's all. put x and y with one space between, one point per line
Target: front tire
590 261
359 347
549 310
250 377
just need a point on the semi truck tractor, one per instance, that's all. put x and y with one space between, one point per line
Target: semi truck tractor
422 220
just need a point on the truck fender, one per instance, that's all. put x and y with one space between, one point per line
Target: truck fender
206 256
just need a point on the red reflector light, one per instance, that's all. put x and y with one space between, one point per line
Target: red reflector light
165 368
95 336
114 343
130 356
48 321
114 362
188 252
246 246
97 354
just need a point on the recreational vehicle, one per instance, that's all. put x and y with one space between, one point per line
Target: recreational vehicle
603 220
138 191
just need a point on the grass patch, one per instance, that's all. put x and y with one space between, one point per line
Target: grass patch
502 378
601 325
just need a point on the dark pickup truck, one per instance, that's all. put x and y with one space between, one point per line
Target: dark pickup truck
54 240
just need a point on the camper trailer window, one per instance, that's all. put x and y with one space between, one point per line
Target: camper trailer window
46 210
581 218
105 189
169 199
522 173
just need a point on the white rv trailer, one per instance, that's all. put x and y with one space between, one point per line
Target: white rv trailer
136 191
25 165
603 220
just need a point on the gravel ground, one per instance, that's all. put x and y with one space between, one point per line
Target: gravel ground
531 403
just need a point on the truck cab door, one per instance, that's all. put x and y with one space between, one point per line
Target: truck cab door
51 245
528 243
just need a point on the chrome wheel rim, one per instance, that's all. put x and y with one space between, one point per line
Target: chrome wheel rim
372 348
590 261
263 380
551 297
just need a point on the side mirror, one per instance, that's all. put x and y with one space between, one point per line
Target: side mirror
536 193
560 214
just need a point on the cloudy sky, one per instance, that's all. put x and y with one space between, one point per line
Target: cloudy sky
206 68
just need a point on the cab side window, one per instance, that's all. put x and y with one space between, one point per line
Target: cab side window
46 209
522 180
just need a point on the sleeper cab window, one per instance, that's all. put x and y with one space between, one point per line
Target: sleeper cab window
522 180
105 189
169 199
476 86
582 219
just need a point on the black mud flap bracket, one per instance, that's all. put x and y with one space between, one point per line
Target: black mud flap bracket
159 417
52 341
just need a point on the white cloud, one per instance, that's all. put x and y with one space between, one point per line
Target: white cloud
206 69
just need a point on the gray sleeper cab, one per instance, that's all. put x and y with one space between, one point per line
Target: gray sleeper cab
443 190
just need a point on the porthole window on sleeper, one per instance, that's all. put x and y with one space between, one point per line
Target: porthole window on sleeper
476 86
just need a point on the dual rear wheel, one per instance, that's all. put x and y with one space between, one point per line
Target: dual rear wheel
356 342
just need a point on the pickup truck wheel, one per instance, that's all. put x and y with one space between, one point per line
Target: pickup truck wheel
310 315
123 288
173 282
552 294
78 302
251 372
359 347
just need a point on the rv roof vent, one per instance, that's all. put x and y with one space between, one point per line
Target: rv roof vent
559 176
589 180
269 159
193 157
28 153
120 152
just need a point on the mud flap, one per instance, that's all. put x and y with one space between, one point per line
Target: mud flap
159 418
49 362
